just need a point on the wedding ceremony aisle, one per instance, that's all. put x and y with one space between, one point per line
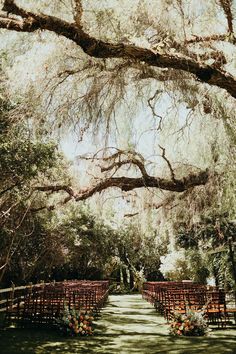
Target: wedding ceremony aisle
128 324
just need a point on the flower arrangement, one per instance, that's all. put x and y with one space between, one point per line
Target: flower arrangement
191 324
75 323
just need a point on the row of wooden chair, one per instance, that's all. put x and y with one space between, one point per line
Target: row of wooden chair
47 303
170 298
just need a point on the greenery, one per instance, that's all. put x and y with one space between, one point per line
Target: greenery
25 163
122 206
141 330
118 161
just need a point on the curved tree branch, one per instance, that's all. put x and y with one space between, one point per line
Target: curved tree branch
168 163
132 157
30 22
119 159
152 107
129 183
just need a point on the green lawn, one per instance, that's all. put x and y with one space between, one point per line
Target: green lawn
128 325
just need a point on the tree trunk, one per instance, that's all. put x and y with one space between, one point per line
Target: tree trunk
233 263
121 278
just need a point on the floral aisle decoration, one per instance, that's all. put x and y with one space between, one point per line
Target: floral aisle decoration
191 324
76 323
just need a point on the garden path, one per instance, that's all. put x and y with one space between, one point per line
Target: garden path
128 324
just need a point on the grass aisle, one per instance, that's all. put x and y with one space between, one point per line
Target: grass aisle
128 325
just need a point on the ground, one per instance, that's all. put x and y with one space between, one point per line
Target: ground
128 324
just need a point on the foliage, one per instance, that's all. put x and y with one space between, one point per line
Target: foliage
212 230
26 161
90 243
138 254
191 324
95 250
185 264
130 102
73 323
174 266
211 233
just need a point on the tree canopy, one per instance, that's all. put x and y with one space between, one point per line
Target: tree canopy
99 48
146 92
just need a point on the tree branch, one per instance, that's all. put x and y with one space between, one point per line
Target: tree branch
168 163
129 183
215 37
133 158
56 188
226 6
31 22
78 12
130 215
119 159
152 107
